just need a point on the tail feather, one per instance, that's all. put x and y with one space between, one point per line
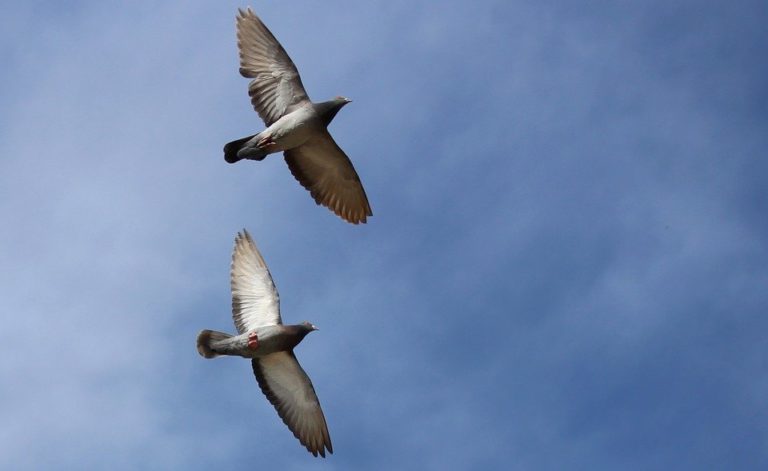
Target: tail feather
237 150
205 340
232 148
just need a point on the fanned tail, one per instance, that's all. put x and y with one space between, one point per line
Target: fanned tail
205 340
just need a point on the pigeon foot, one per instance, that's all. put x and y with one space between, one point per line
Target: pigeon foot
265 142
253 341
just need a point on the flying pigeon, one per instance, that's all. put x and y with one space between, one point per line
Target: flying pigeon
269 344
295 125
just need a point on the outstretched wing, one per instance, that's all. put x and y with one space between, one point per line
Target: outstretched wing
325 170
276 88
289 389
255 301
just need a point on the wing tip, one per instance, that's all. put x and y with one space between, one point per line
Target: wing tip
351 215
242 14
321 446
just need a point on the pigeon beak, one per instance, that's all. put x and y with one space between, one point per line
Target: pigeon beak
314 327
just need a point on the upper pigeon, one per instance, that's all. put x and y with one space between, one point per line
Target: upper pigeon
295 125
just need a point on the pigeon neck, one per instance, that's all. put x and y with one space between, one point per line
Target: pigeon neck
328 109
299 330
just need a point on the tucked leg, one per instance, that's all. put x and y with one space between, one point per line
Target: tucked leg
253 341
265 142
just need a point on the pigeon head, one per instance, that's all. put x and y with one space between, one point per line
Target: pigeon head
328 109
308 326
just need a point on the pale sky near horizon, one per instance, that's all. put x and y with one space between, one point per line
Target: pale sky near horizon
567 265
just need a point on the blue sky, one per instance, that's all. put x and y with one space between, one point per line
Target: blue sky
567 266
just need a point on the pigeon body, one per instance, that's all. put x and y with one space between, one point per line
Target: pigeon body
270 339
292 130
295 125
269 344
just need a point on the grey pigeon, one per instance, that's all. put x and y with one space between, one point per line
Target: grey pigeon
269 344
295 125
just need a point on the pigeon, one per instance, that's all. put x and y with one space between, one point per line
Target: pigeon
269 344
295 125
